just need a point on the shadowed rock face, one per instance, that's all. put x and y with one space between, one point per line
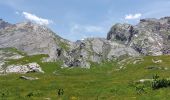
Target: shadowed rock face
149 37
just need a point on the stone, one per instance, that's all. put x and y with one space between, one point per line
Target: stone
27 68
145 80
156 61
156 68
28 78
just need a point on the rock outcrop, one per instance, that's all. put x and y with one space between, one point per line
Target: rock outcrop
149 37
27 68
122 33
6 54
96 50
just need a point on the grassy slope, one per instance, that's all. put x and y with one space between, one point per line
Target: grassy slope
14 50
101 82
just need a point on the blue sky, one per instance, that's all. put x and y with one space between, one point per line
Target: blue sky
78 19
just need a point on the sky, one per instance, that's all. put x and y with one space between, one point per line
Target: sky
79 19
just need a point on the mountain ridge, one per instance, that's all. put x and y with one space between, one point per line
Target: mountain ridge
149 37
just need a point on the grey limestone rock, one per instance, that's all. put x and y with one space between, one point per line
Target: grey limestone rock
32 39
150 37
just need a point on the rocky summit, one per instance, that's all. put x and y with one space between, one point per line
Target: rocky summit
149 37
4 24
32 39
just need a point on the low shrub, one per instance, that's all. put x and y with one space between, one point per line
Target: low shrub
159 83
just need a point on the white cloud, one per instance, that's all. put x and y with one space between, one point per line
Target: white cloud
36 19
133 16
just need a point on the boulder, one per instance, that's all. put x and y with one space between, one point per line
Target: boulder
31 67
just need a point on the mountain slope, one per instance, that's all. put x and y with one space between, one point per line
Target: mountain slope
32 39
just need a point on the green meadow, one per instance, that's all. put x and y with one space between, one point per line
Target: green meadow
100 82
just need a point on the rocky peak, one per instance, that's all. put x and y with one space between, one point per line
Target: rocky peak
4 24
150 24
32 39
121 33
30 25
165 18
148 20
149 37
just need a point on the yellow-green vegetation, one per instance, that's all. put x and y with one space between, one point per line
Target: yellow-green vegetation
27 59
101 82
14 50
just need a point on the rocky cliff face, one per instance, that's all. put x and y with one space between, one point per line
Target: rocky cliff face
149 37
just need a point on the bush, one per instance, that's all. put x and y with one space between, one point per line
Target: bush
159 83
